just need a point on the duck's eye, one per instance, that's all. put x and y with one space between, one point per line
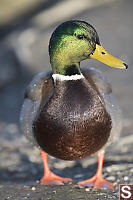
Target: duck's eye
80 37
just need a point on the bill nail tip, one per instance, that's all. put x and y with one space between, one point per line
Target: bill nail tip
125 65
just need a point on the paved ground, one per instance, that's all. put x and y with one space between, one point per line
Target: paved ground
23 53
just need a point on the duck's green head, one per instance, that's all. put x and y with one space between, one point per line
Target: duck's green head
74 41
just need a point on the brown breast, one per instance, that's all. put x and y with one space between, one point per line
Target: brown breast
74 122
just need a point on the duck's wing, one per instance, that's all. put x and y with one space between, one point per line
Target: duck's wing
111 102
39 90
98 79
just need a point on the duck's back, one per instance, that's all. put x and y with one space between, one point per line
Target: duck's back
73 123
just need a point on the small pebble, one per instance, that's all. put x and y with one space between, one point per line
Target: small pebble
108 169
110 178
78 176
87 189
78 186
33 188
26 187
131 170
126 178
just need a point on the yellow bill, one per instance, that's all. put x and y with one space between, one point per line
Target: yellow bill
103 56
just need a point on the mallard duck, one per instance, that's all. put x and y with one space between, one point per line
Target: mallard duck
68 112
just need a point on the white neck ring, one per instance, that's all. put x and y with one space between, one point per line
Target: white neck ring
67 78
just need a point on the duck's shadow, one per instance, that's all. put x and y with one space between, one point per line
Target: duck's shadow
29 172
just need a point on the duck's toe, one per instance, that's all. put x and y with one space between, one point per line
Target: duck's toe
52 179
96 182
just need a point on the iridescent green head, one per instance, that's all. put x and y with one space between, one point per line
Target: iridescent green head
72 42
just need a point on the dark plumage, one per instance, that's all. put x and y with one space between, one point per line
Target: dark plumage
66 123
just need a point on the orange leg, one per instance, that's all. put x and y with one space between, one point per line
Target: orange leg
49 177
97 181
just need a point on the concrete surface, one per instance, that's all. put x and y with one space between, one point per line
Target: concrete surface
23 53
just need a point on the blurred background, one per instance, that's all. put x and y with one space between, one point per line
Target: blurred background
25 29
